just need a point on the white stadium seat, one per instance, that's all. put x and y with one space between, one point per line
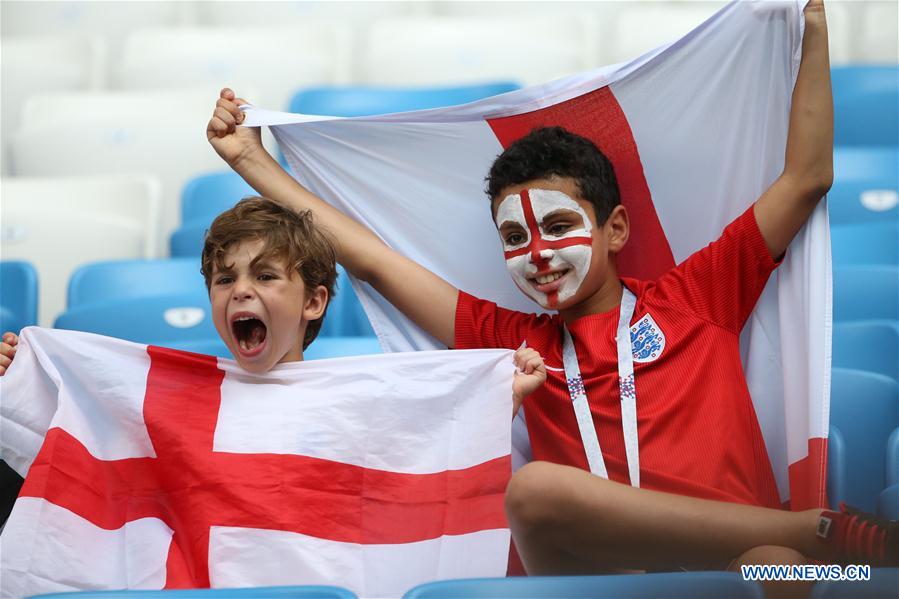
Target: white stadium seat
155 133
275 61
33 65
299 12
877 40
456 50
60 223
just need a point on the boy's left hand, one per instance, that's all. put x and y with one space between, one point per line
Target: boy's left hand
530 374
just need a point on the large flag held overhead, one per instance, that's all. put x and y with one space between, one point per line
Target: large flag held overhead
696 131
150 468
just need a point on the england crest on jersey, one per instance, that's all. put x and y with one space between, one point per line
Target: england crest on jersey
647 340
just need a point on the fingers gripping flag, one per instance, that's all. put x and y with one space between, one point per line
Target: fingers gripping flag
151 468
696 131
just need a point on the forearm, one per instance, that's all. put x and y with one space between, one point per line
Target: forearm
809 154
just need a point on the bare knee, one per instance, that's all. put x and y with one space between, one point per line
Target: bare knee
529 497
769 555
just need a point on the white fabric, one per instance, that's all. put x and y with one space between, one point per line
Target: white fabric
414 413
709 115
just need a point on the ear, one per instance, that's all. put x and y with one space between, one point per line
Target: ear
618 228
316 302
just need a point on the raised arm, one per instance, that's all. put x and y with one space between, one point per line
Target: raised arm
417 292
808 167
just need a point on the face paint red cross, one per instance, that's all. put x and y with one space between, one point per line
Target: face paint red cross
538 243
191 488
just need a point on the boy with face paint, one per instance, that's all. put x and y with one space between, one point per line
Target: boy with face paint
687 483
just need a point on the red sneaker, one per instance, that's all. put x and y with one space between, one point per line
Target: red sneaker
856 537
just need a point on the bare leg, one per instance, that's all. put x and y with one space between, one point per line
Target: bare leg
568 521
770 554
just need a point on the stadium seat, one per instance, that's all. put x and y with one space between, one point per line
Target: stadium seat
18 295
892 460
297 592
836 466
884 583
865 293
864 407
207 196
188 239
33 65
460 50
878 43
865 186
888 503
338 347
264 13
165 320
621 586
273 60
871 345
866 105
868 243
60 223
115 280
363 101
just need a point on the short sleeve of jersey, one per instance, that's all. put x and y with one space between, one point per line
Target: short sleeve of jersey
722 282
483 324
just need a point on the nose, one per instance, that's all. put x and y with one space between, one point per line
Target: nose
540 256
242 290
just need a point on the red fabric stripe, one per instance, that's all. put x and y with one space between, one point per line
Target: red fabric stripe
191 488
808 478
555 244
598 117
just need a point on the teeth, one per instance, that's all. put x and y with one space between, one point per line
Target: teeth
242 318
543 280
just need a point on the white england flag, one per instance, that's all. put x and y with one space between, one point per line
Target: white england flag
696 131
152 468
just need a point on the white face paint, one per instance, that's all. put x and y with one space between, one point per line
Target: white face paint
541 255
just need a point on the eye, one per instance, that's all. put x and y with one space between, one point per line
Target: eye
515 238
557 229
224 280
267 276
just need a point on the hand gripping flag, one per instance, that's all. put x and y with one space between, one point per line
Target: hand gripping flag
151 468
696 131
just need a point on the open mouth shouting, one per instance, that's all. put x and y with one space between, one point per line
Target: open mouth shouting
249 333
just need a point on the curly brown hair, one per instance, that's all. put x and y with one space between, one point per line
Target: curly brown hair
286 235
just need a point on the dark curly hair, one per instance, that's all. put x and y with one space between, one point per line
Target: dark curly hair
286 234
549 151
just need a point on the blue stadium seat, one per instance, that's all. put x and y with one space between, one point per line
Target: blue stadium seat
187 240
210 347
864 406
867 243
337 347
18 295
159 320
126 279
884 583
865 186
892 469
349 101
621 586
866 105
836 466
871 345
298 592
207 196
888 503
865 293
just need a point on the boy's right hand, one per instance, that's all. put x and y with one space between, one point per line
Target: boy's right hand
7 350
234 144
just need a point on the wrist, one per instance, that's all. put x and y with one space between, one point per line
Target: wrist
251 158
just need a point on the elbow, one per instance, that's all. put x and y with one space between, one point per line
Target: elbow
812 184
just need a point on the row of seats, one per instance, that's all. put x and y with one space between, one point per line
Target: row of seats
883 582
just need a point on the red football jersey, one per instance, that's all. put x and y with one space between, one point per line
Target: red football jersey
698 431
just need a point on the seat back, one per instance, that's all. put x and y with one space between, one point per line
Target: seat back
106 281
352 101
338 347
460 50
865 101
865 292
60 223
864 407
621 586
871 345
867 243
865 185
836 467
206 196
18 295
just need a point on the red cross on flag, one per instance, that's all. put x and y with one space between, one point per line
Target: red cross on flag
153 468
696 131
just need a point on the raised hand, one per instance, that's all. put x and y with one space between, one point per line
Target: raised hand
234 144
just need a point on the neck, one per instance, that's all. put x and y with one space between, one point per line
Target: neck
607 297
